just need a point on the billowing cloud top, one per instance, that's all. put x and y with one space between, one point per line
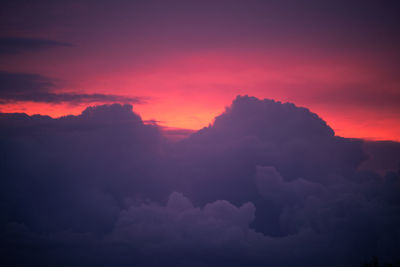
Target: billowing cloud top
266 184
270 120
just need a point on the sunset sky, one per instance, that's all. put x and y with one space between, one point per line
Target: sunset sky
199 133
181 63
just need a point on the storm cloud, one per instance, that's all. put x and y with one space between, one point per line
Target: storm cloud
266 184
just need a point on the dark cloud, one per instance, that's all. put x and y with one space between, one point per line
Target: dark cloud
81 166
37 88
266 133
266 184
383 156
17 45
176 134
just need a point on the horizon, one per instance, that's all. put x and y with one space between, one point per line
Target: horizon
168 128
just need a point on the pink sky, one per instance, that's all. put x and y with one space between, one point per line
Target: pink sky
188 67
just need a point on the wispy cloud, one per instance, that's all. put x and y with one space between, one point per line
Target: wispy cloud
17 45
37 88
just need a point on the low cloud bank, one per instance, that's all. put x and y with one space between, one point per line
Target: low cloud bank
266 184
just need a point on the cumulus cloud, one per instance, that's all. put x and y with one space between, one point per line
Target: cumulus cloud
37 88
17 45
267 183
179 222
75 172
251 133
383 156
271 184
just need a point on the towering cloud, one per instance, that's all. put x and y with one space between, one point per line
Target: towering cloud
267 183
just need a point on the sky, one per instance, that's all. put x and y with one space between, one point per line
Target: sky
199 133
180 63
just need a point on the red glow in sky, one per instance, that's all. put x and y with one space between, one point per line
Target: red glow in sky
187 62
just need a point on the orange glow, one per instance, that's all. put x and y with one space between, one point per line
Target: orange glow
190 89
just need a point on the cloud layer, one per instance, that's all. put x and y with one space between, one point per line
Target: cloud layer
17 45
23 87
266 184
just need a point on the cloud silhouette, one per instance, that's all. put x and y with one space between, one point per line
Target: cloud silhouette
267 183
17 45
37 88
